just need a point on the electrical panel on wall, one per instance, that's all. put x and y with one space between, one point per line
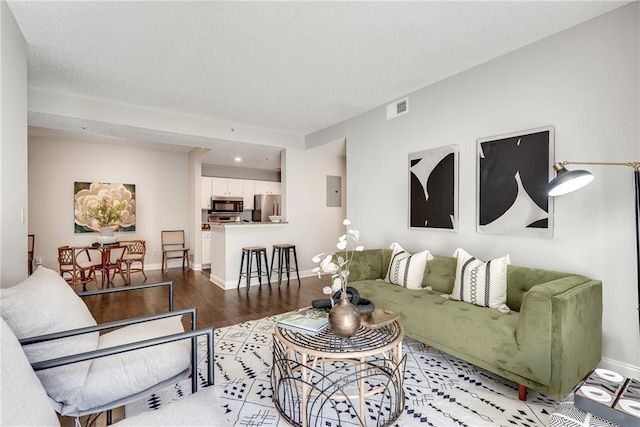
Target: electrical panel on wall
334 191
397 108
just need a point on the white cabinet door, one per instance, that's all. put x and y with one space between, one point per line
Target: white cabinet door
268 187
275 187
249 190
226 187
205 193
219 186
235 187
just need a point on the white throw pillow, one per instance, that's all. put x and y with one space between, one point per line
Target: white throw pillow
480 283
45 303
405 269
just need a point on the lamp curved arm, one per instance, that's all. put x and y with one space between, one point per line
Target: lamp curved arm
635 164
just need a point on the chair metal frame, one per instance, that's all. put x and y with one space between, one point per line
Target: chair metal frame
192 334
173 241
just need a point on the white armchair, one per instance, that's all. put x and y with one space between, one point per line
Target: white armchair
25 401
82 371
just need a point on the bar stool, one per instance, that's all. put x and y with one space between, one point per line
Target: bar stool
284 261
249 252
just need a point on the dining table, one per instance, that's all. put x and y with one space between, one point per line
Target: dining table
110 260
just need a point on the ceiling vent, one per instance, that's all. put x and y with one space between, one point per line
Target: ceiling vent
397 108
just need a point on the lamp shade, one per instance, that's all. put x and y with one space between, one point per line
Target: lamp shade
567 181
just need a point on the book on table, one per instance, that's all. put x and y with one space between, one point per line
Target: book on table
308 321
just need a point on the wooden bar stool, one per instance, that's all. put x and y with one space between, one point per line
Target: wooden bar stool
249 252
284 261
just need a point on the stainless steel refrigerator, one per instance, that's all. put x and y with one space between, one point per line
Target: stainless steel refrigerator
265 206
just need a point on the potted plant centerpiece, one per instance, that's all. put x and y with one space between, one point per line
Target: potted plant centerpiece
106 213
344 317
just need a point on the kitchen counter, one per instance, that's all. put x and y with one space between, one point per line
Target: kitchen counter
245 224
227 241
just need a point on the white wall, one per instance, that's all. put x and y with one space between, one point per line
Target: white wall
160 177
13 150
585 82
164 195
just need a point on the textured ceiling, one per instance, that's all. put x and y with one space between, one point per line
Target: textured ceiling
291 66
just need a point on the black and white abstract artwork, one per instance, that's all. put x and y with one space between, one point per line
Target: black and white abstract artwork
513 173
433 188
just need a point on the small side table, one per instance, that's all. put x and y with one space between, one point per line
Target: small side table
324 377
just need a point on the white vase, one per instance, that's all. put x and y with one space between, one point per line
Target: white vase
106 236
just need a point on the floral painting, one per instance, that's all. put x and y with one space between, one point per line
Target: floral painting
89 195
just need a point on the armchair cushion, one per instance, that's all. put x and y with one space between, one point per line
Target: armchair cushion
45 303
127 374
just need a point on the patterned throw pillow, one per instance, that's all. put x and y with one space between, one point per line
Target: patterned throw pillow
406 269
480 283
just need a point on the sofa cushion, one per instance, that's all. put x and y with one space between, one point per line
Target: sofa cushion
405 269
440 274
45 303
369 264
480 283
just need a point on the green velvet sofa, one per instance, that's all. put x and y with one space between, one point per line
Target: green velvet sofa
551 338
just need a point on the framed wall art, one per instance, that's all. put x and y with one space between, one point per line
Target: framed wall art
433 188
513 172
87 195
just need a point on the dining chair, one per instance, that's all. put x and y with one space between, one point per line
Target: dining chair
76 267
31 240
173 247
133 258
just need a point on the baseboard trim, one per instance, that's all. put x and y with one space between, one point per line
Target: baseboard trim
622 368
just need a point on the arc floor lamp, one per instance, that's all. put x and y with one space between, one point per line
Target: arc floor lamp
568 181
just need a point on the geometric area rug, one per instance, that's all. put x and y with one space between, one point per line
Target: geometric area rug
440 390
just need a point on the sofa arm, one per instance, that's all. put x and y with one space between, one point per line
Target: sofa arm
369 264
560 328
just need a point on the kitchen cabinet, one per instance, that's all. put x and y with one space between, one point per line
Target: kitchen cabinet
206 249
226 187
249 190
268 187
205 193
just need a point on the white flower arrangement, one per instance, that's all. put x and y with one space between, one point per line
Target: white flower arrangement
338 265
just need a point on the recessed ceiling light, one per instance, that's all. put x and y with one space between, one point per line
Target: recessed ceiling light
238 159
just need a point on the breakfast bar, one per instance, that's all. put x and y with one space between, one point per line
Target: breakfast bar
227 241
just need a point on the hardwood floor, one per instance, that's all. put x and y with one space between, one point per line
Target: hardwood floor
215 307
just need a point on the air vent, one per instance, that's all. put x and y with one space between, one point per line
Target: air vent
397 108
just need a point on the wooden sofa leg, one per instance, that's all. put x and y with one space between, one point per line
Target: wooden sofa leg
522 392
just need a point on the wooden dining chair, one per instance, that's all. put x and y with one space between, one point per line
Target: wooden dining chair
76 267
173 247
31 241
133 258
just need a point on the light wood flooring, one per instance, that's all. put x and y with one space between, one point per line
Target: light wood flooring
215 307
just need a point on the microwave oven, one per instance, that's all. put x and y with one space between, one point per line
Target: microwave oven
227 205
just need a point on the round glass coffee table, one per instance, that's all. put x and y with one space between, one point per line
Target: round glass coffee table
324 378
